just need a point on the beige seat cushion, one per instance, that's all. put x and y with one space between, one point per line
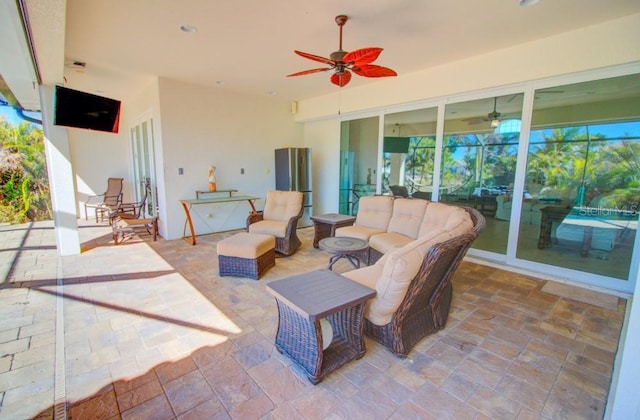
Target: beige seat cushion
407 216
269 227
246 245
360 232
388 241
282 205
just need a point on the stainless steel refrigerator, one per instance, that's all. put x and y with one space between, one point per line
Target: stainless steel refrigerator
293 173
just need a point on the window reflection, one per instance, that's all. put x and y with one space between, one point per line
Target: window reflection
409 153
479 162
583 178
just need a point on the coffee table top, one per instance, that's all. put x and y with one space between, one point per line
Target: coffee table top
333 218
319 293
342 244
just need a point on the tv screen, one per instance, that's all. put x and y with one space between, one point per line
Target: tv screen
396 145
73 108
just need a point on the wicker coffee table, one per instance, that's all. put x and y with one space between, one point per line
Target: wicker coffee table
353 249
304 300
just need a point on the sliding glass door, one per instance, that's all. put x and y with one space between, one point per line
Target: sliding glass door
358 162
479 155
582 187
555 171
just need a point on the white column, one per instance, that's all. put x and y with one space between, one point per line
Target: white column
56 143
624 394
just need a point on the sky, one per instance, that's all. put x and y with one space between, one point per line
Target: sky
10 115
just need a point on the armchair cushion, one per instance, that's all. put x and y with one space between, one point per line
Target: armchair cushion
279 218
282 205
269 227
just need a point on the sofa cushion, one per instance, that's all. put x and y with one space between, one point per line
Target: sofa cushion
282 205
392 275
374 212
360 232
407 216
388 241
439 216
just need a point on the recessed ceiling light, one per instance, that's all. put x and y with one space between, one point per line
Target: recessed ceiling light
272 93
526 3
188 29
219 82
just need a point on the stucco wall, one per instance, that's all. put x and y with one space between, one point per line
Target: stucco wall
208 126
611 43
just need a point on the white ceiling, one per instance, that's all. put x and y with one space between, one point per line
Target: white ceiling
248 45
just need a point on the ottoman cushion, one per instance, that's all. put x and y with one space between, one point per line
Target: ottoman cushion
246 245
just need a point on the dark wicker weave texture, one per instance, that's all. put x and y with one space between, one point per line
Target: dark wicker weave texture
246 267
301 340
290 242
374 255
425 307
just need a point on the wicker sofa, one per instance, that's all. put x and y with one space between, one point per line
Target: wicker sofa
413 279
279 218
389 223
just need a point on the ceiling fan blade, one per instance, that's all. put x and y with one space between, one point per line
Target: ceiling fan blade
341 80
315 58
371 70
362 56
302 73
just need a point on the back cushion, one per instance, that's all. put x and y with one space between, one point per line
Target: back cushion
439 216
282 205
398 269
407 216
375 212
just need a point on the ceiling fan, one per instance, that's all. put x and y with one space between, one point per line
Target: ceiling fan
342 63
494 117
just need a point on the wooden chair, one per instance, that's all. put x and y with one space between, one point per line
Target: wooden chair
107 202
399 191
129 218
282 210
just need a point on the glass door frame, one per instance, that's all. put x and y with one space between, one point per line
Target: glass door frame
140 149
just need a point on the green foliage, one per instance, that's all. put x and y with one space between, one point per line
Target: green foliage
24 188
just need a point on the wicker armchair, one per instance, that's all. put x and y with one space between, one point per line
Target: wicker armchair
425 306
282 210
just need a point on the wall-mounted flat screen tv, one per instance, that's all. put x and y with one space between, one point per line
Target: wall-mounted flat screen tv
73 108
396 145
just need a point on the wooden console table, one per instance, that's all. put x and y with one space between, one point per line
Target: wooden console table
187 204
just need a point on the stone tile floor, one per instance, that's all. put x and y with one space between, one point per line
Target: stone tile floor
149 330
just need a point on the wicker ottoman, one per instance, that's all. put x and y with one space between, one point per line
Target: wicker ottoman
246 255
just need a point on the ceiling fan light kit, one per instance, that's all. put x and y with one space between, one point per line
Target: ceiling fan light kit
494 116
343 63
